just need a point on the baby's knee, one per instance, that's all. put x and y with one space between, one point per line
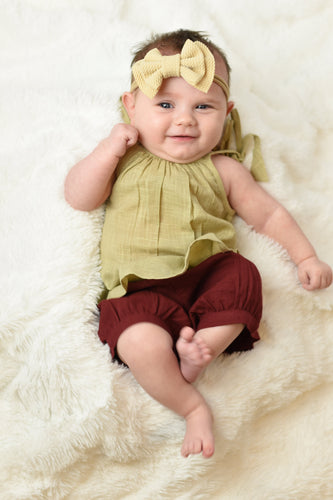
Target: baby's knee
141 341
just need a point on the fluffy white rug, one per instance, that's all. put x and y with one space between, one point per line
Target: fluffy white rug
75 426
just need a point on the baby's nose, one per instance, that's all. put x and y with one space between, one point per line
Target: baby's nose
185 117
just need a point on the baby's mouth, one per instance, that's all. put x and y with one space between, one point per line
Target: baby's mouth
182 138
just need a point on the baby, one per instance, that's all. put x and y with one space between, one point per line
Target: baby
179 293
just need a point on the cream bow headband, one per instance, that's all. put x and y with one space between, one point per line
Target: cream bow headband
195 63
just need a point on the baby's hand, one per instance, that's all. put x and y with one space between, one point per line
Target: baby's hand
314 274
121 138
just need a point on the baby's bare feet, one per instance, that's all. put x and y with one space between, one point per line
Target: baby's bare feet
193 352
199 432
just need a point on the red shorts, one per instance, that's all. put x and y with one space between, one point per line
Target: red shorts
224 289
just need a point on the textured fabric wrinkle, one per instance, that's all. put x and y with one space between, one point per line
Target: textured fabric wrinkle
190 195
241 292
143 228
159 213
194 190
228 211
212 213
175 230
147 233
130 216
249 276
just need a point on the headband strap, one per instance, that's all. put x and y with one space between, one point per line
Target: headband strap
195 63
223 84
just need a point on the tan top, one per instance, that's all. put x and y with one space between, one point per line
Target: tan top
162 219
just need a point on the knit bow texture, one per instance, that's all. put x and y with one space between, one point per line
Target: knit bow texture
195 64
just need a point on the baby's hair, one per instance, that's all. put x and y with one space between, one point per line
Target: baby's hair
173 42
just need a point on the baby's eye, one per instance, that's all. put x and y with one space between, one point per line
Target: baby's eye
203 106
165 105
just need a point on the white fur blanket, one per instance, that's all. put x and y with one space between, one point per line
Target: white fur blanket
72 424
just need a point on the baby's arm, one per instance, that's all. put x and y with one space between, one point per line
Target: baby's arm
89 182
260 210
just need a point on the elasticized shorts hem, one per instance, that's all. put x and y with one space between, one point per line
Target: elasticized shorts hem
228 318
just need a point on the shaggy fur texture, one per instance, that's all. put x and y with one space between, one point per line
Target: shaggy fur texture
75 426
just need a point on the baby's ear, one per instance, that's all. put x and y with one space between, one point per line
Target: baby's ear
128 101
230 107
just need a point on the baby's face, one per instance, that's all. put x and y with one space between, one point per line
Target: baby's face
180 124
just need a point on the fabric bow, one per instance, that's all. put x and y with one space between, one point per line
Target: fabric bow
195 63
237 146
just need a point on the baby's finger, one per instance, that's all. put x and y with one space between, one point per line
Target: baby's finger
132 137
304 278
326 281
309 282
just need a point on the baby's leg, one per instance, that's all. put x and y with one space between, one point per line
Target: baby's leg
197 350
147 350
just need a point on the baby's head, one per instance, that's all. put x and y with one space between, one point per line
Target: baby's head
179 95
173 42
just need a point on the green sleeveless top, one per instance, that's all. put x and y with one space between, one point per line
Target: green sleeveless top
162 218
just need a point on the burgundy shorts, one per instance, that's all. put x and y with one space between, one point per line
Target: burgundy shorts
224 289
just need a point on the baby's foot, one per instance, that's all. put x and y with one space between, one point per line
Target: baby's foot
199 433
193 352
